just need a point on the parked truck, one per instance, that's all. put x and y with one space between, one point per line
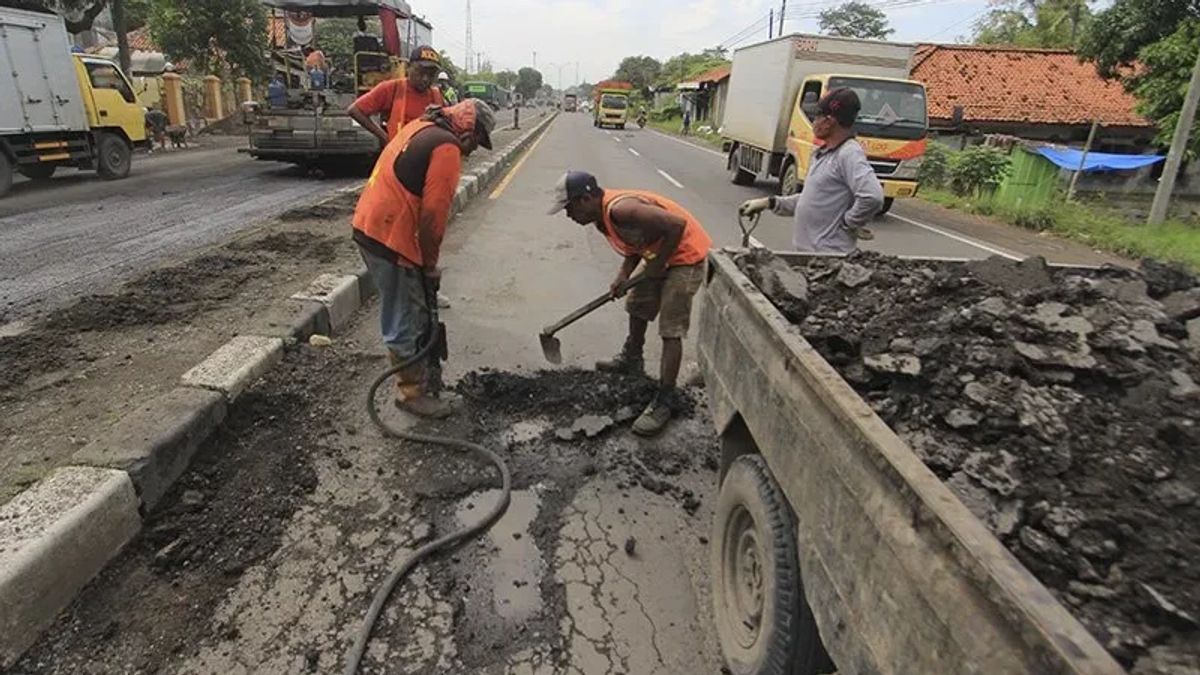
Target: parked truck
611 104
58 108
773 92
833 541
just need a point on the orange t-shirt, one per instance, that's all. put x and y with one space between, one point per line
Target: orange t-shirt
391 96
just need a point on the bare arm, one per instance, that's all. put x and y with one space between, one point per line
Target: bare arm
628 265
653 224
367 123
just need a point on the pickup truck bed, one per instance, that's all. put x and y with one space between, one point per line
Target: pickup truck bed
900 576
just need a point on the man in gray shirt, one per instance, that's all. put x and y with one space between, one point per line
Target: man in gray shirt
841 193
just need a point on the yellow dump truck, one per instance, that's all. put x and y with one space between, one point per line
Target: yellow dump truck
58 108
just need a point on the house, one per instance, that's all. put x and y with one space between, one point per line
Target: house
706 94
1036 94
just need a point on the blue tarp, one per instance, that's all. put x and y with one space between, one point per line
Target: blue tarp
1097 161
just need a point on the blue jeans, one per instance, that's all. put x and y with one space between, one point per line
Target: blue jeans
403 311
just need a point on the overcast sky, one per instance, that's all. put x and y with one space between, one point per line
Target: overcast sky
599 33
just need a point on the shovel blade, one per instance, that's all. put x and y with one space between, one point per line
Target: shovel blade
551 348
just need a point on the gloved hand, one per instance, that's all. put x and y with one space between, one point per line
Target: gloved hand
753 206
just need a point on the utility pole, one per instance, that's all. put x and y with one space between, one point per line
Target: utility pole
118 19
782 14
468 45
1187 115
770 24
535 59
576 72
1087 147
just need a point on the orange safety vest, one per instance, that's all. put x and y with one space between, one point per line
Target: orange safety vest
386 211
693 247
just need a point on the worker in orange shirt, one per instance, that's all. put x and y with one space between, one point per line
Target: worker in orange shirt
399 101
399 224
644 227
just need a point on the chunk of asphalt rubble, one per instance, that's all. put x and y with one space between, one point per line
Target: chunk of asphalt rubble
962 418
784 286
894 364
1184 387
851 275
588 426
630 546
1168 608
624 414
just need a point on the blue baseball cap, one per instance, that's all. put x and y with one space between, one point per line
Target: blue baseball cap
573 184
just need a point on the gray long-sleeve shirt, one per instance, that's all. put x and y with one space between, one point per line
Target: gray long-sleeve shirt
840 192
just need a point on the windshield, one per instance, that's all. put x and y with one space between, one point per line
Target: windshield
614 102
889 109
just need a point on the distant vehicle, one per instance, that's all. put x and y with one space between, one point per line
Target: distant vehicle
312 128
612 104
773 92
570 103
496 96
58 108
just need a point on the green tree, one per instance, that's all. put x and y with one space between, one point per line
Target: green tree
1035 23
1160 88
528 82
1118 34
506 79
641 71
977 170
217 35
856 20
680 67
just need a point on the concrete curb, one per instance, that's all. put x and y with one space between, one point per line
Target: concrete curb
58 534
54 537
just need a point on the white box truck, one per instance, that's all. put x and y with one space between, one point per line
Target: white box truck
58 108
773 90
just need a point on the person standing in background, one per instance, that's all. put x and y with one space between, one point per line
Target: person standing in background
401 100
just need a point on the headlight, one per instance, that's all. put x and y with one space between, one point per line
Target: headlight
907 169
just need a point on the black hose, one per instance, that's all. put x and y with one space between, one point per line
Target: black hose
355 654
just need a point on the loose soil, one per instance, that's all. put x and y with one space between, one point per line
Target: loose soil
80 367
1061 407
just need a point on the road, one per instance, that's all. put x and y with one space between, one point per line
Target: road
79 233
265 555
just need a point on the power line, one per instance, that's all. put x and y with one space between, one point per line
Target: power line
746 32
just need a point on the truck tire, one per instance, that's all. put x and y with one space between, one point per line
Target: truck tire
6 174
37 171
789 181
887 205
763 623
113 156
737 175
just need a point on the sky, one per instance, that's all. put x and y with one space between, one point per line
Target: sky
597 34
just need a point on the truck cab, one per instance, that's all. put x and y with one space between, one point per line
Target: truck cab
891 128
612 104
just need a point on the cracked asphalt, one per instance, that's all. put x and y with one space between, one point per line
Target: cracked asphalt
264 556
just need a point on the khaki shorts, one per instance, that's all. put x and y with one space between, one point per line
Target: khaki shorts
670 296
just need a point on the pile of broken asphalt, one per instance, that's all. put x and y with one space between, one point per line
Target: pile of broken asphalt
1060 405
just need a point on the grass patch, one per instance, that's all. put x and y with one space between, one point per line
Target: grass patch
674 126
1095 226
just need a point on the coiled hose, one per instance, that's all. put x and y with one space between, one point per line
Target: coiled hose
355 654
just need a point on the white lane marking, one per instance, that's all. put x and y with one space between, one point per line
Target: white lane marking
959 238
607 131
617 139
635 152
672 181
690 145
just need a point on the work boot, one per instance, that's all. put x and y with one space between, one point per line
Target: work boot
412 396
653 419
628 362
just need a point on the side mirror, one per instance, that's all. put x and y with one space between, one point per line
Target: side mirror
956 117
809 104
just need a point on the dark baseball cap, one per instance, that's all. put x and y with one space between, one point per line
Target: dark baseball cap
573 184
426 54
841 104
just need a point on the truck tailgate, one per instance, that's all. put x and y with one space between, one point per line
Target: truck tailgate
900 575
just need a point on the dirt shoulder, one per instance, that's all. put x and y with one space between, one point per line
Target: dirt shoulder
77 370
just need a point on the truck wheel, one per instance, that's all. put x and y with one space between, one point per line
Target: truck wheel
789 182
113 157
737 175
763 623
887 205
6 174
38 171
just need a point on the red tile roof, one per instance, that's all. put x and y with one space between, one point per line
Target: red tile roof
715 75
1008 84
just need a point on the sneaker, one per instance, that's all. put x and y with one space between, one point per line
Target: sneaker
652 420
427 406
624 363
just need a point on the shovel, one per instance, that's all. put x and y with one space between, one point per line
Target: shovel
551 347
